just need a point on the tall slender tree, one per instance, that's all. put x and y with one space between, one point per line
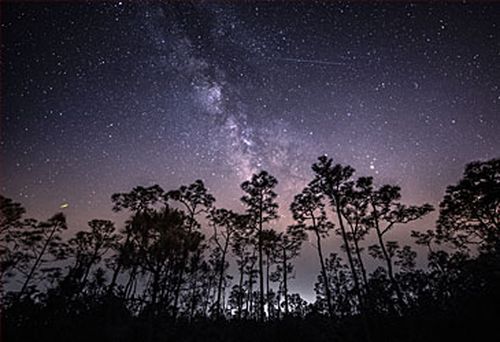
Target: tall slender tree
288 248
334 181
196 200
138 201
225 224
89 247
43 240
386 213
270 241
308 210
260 201
240 247
355 210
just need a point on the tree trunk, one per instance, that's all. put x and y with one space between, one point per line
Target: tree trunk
221 276
37 261
261 266
353 271
88 268
357 250
180 280
240 288
267 286
285 284
348 251
388 261
249 305
323 273
118 267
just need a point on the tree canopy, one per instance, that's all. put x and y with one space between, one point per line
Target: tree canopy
179 264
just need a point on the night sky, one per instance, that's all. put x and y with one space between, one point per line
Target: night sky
99 98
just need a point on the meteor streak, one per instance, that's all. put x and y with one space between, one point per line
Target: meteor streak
309 61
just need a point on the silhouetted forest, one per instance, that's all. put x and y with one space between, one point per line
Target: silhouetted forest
183 269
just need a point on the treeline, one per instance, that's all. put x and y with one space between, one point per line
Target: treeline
161 277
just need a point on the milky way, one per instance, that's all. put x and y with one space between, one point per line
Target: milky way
98 98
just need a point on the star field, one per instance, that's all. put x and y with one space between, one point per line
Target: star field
98 98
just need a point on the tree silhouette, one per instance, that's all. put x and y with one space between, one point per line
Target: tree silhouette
240 244
269 239
89 247
225 223
386 213
260 200
308 210
138 201
43 239
355 211
334 181
196 200
470 211
338 282
11 230
160 277
288 248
